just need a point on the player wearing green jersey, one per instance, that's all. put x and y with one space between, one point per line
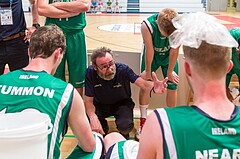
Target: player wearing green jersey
235 32
33 88
210 128
158 53
70 16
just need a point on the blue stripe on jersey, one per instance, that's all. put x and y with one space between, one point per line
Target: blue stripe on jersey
167 133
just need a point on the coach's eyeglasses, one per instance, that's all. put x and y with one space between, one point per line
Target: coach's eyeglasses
106 66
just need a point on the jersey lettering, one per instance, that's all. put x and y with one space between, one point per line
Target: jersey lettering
214 153
25 91
3 111
226 131
164 49
28 77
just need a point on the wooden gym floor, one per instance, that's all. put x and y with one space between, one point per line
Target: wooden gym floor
121 32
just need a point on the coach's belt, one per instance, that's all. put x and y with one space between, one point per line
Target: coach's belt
14 36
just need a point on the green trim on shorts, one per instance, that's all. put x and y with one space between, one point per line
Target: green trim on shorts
120 149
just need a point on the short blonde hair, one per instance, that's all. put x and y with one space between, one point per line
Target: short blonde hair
164 20
210 61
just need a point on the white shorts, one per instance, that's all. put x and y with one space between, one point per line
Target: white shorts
127 149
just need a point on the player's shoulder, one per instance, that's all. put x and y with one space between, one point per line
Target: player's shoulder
175 110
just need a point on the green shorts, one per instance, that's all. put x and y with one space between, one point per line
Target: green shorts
161 61
78 153
76 58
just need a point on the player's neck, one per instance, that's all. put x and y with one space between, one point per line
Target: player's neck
212 99
39 64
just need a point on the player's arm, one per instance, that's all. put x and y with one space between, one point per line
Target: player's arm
35 16
173 55
94 121
147 40
77 6
151 143
79 124
49 10
35 20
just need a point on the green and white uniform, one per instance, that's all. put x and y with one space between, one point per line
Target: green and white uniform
235 32
127 149
76 53
161 50
189 133
28 90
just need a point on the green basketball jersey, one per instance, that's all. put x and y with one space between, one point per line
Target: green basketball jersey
235 32
27 91
160 42
68 25
189 133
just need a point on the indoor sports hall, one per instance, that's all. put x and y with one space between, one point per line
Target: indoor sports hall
121 32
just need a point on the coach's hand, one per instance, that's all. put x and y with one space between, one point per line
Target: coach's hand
96 125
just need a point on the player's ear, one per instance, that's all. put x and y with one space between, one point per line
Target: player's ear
230 66
187 68
58 51
94 67
58 54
